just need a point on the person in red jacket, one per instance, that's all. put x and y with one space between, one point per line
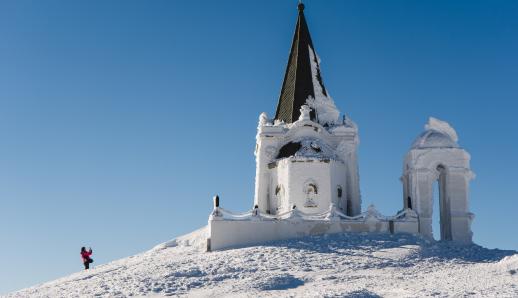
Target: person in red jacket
85 256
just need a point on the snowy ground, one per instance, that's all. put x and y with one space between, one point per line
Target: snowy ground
351 265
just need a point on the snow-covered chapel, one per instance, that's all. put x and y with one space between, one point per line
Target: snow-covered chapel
307 179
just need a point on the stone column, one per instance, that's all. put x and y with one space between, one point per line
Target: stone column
423 196
353 183
457 194
261 175
347 151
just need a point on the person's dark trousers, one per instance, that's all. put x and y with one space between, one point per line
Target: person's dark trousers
87 263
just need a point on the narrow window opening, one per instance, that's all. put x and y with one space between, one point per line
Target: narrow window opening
436 212
279 195
349 211
277 190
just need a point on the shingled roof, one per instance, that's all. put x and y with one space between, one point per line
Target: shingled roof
298 79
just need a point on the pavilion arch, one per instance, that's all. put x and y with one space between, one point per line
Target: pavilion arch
441 176
450 168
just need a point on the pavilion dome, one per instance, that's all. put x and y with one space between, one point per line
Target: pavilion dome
434 139
437 134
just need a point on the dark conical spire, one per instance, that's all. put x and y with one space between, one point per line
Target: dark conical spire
298 79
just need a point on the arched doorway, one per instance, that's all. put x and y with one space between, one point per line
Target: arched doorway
441 205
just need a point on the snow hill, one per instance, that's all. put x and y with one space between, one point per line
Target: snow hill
344 265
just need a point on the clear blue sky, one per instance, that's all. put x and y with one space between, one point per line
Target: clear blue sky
119 120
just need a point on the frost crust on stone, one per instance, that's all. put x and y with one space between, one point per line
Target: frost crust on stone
442 126
314 148
437 134
323 105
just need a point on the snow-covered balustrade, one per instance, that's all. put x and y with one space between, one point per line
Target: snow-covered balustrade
228 229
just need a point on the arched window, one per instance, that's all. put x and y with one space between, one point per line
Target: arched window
277 190
339 191
289 149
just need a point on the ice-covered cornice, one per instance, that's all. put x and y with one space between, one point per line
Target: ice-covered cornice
265 125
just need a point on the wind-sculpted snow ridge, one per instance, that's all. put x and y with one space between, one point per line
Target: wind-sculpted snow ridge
341 265
196 239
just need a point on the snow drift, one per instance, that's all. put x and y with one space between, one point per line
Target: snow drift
341 265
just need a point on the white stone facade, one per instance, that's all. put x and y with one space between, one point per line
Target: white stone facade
314 189
321 169
228 230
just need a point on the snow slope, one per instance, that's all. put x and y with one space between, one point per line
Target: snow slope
345 265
